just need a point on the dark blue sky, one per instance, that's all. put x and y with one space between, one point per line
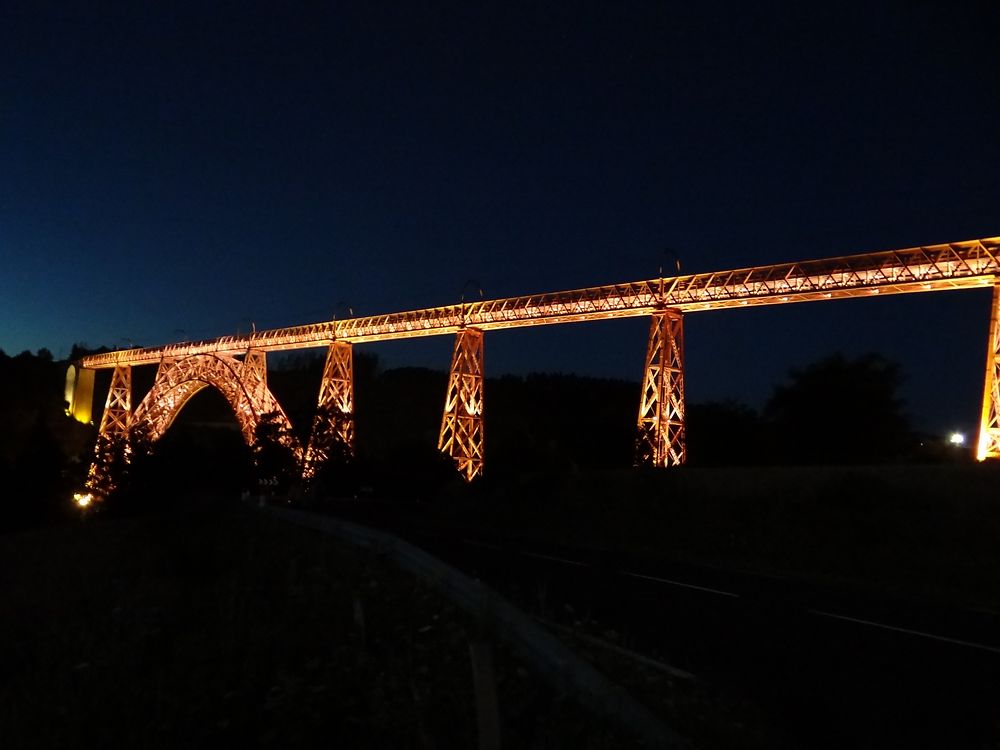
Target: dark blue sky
179 170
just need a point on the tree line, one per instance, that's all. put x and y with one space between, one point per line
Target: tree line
839 410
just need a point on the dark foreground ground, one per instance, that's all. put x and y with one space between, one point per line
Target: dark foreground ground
926 531
749 609
824 607
218 628
773 663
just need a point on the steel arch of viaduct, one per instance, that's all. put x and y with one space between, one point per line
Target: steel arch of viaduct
242 383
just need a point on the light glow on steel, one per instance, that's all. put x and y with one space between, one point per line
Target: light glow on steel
989 422
956 265
334 420
462 435
243 383
661 430
235 365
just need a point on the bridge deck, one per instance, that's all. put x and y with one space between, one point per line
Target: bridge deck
957 265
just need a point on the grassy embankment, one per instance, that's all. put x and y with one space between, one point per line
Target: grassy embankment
926 531
216 628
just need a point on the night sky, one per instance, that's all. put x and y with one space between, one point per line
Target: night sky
172 171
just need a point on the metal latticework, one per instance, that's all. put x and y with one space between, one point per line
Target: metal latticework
253 378
112 450
462 435
242 384
333 425
660 440
118 407
956 265
989 426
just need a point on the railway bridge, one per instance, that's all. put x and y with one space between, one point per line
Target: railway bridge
236 365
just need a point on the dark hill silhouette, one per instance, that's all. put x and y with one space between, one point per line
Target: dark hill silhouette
838 410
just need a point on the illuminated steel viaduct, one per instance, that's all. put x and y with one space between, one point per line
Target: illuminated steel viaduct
236 366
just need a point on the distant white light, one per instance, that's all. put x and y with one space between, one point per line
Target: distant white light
83 499
956 438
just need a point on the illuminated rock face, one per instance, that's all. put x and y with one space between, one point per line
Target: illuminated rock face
79 394
70 391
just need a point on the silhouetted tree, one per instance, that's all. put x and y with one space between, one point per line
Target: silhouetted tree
35 482
80 350
725 433
121 464
334 470
274 459
412 471
38 442
190 464
840 411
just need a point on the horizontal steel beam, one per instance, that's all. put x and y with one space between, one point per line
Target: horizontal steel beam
957 265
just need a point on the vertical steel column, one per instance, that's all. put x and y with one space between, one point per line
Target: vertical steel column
661 440
118 407
989 425
253 373
253 379
112 450
333 425
462 424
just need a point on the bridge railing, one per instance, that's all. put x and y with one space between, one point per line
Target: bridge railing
932 268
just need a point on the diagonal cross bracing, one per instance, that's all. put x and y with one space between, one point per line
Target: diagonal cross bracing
661 440
462 435
989 425
333 425
118 407
958 265
242 383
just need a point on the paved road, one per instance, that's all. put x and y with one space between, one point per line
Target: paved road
836 668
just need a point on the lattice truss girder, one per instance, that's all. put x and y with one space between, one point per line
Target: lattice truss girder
955 265
118 407
333 426
661 438
989 426
462 435
242 383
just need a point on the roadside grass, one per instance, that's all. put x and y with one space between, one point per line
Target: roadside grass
215 627
923 531
712 717
218 627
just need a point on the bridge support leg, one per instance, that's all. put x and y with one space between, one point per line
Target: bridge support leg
989 425
118 407
253 377
333 426
113 436
661 439
462 435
